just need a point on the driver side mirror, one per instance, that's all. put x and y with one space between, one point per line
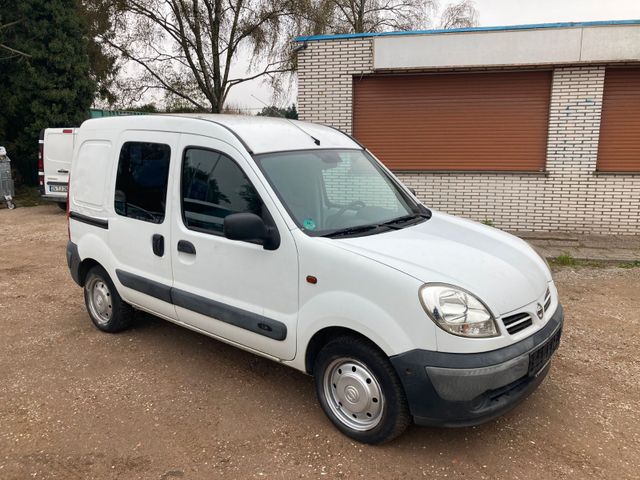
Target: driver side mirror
249 227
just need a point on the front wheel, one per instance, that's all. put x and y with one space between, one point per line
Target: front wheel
107 310
360 391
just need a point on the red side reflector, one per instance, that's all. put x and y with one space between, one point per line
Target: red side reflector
67 130
311 279
68 208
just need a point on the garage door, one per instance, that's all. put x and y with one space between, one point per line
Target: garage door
464 121
619 147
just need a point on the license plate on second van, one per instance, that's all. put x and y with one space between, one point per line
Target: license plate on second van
58 188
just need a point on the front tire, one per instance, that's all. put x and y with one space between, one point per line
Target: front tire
360 391
107 310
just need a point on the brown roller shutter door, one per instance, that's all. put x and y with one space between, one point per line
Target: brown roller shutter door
463 121
619 147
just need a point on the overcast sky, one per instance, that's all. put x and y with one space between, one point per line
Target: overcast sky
492 13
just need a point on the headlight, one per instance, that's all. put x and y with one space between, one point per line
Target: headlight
457 311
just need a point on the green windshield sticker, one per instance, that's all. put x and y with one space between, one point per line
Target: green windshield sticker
309 224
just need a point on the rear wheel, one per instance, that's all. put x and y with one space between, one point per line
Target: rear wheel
360 391
107 310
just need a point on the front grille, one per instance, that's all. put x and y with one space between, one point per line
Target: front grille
539 358
547 300
517 322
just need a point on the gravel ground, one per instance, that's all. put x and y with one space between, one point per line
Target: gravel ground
162 402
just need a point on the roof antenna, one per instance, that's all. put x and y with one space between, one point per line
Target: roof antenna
315 140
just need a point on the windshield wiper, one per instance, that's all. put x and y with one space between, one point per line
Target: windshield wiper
393 224
352 230
404 219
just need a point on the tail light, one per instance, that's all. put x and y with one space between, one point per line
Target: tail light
41 165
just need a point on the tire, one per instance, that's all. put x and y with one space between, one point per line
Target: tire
62 206
360 391
107 310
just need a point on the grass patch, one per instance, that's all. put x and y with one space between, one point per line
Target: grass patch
488 222
569 261
634 264
564 260
27 196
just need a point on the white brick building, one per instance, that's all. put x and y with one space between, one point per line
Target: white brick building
566 142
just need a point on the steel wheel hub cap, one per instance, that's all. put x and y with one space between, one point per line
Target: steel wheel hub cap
100 300
353 394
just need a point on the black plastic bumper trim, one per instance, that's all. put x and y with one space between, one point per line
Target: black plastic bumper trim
73 262
429 408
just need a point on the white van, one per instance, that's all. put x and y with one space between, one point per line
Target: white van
290 240
54 163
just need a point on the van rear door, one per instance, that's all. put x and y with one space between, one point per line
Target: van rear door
57 155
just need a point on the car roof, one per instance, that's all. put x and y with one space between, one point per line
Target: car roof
257 134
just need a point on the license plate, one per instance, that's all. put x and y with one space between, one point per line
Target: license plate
539 358
58 188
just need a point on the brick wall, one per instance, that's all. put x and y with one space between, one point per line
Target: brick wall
570 196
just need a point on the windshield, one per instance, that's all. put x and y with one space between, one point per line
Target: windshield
338 191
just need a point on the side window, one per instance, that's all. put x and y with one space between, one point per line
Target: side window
214 186
141 182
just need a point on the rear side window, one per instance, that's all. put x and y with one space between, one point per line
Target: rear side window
141 184
214 186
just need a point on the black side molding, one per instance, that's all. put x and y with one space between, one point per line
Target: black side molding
144 285
235 316
231 315
96 222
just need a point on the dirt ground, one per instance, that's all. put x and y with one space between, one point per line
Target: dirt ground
162 402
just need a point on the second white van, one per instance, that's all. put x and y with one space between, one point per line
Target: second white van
54 163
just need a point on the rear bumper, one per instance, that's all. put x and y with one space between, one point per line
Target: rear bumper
54 197
451 389
73 262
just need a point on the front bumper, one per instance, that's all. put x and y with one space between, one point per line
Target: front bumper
454 389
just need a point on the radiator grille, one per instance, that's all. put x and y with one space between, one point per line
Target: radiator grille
517 322
547 300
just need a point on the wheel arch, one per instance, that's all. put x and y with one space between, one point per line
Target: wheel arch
84 267
325 335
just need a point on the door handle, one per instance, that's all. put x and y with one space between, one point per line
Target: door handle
62 170
157 242
186 247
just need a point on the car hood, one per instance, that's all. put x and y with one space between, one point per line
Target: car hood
501 269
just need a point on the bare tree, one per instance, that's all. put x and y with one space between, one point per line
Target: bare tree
358 16
459 15
185 48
